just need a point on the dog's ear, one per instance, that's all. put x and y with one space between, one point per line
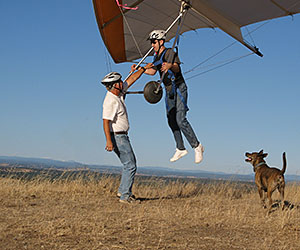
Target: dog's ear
261 152
264 155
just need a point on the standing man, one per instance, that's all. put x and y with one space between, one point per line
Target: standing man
116 126
167 63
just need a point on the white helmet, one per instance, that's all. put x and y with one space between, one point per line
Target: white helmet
110 79
157 34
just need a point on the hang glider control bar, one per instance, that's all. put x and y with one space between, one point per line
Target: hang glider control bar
183 8
185 5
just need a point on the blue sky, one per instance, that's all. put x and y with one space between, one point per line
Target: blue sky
52 59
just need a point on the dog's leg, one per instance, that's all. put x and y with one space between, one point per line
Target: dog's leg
281 191
269 195
262 198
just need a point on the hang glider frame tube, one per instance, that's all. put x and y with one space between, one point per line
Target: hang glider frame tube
171 56
184 6
218 20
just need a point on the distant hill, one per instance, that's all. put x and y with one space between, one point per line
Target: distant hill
40 162
44 163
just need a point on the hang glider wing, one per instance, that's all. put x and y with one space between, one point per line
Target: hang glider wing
124 30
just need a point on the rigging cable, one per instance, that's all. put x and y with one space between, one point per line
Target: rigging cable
235 59
219 52
131 33
231 61
252 40
106 52
107 60
182 13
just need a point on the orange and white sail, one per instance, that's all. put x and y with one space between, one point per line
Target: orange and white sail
125 24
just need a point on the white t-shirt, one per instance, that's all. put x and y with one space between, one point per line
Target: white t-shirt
114 109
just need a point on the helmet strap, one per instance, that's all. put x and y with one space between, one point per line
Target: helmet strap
159 46
117 88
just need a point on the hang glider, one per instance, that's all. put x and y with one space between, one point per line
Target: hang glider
125 25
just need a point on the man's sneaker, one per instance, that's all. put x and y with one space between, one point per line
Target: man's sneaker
199 153
178 154
119 195
130 200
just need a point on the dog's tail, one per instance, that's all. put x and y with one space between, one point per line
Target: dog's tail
284 163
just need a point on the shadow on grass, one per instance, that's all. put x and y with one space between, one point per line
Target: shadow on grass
287 205
171 197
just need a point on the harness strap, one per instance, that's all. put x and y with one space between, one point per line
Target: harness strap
171 76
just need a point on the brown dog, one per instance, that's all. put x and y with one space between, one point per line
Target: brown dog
267 179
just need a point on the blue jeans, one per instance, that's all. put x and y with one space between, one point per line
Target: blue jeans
176 114
124 151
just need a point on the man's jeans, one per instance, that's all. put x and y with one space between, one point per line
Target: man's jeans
177 120
123 149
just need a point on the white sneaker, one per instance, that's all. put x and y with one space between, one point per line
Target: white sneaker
178 154
199 153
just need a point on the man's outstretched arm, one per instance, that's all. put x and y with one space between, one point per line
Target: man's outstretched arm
147 70
136 75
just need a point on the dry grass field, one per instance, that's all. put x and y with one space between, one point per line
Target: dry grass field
84 213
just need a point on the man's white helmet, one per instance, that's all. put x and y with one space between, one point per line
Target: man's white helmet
157 35
110 79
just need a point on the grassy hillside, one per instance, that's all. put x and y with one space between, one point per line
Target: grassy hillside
84 213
